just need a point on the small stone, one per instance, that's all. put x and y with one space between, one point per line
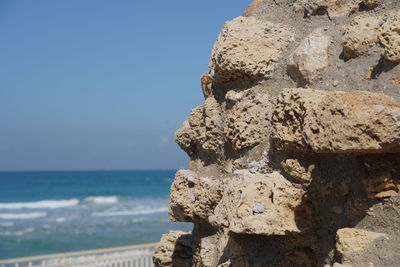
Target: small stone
370 213
335 83
258 208
233 96
311 57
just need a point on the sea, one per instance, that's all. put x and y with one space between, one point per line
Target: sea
43 212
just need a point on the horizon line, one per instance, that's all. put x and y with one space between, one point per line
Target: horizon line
90 170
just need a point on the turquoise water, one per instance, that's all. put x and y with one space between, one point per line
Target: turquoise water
51 212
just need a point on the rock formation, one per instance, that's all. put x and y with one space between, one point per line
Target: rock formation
295 153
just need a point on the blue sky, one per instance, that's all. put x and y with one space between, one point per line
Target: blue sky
95 84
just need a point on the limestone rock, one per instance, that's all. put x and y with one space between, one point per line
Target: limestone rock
259 204
360 35
389 36
210 250
207 194
182 196
209 255
206 85
311 57
291 109
273 172
174 249
248 123
308 120
248 49
188 136
202 131
351 240
193 198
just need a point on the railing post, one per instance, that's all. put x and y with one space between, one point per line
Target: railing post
63 261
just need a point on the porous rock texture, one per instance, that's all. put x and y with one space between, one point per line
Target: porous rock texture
390 36
360 35
248 48
295 153
336 122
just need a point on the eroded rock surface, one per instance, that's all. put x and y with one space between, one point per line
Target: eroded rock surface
360 35
248 49
389 36
336 122
193 197
305 176
202 131
248 123
259 204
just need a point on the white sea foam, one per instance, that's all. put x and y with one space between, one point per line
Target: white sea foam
60 220
102 200
17 233
44 204
22 216
130 212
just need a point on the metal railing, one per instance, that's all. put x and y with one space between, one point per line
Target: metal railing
129 256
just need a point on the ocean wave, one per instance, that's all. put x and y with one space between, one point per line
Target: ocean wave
44 204
130 212
22 216
102 200
60 220
7 224
18 233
